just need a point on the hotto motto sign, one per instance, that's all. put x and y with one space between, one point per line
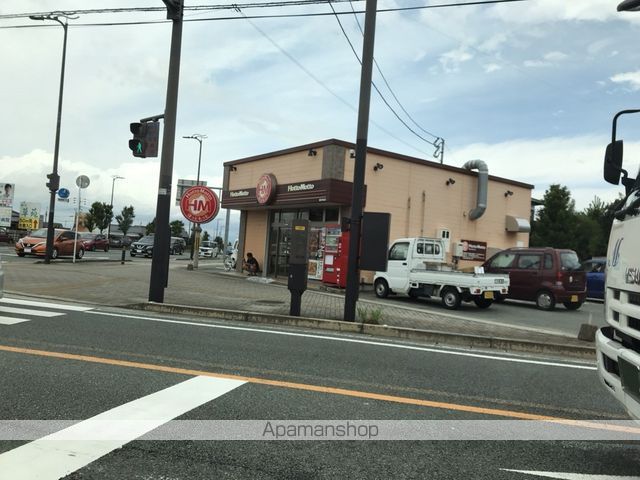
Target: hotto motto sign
199 204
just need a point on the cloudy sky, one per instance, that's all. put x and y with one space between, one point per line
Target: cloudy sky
529 87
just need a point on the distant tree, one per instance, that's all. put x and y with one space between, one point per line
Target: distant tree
150 227
89 221
205 236
177 228
220 243
588 237
101 214
125 219
555 224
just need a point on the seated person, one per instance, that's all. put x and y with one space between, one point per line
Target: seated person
250 264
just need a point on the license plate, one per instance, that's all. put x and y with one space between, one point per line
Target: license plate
488 295
574 298
630 376
27 249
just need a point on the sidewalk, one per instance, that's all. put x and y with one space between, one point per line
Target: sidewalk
113 284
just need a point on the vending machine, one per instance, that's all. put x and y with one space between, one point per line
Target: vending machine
335 257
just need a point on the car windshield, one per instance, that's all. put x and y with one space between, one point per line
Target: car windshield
570 261
40 233
87 236
148 240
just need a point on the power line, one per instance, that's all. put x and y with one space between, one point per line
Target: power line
320 82
388 86
285 15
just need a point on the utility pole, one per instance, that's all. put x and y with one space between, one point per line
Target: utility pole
195 245
160 261
54 177
353 272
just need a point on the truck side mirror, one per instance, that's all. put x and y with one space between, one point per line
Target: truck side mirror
613 162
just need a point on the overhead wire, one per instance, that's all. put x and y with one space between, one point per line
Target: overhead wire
378 90
320 82
285 15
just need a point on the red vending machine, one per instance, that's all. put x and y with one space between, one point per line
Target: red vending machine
335 257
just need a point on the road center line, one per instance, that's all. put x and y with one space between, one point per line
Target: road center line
321 389
354 340
54 456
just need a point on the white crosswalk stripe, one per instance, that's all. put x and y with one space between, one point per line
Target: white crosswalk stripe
33 309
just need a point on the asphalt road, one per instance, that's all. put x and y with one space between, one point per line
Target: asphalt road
109 362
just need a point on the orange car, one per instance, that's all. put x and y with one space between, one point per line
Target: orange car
63 241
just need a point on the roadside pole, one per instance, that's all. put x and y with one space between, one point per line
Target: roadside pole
160 260
351 294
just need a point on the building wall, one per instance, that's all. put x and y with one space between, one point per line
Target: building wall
398 188
255 240
289 168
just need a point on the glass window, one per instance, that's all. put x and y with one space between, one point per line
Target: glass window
437 248
569 261
419 248
529 261
502 260
548 261
399 251
428 248
315 214
331 214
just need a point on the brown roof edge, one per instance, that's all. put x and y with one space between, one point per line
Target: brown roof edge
377 151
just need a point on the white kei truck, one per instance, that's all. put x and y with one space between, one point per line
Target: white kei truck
417 267
618 343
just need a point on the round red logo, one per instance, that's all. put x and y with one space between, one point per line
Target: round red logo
266 189
199 204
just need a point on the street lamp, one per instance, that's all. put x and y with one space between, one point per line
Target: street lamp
54 178
196 237
113 182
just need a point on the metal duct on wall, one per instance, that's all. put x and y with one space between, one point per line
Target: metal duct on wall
483 182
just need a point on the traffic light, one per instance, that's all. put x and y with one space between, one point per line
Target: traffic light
54 182
137 143
145 139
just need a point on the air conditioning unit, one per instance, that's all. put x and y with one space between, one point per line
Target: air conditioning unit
444 234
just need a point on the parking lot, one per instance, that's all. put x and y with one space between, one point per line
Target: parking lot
319 301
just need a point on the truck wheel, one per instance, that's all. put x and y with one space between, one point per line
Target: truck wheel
381 288
451 298
545 300
482 302
572 305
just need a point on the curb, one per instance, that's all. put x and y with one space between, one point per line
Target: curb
428 336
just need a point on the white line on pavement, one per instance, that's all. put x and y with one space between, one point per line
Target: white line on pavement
54 456
24 311
11 320
354 340
59 306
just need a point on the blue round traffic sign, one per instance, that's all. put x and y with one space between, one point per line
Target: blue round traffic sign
64 193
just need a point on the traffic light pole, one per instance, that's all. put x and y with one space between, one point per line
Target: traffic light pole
351 294
160 261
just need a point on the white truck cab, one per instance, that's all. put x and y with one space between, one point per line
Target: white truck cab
417 267
618 344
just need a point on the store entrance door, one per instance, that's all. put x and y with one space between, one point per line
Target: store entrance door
279 248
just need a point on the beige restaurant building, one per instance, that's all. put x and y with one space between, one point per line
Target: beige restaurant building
424 198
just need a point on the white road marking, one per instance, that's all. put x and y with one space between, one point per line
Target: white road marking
11 320
61 453
59 306
35 313
571 476
354 340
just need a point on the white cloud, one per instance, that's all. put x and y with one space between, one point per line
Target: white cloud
541 11
492 67
630 78
452 59
555 56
